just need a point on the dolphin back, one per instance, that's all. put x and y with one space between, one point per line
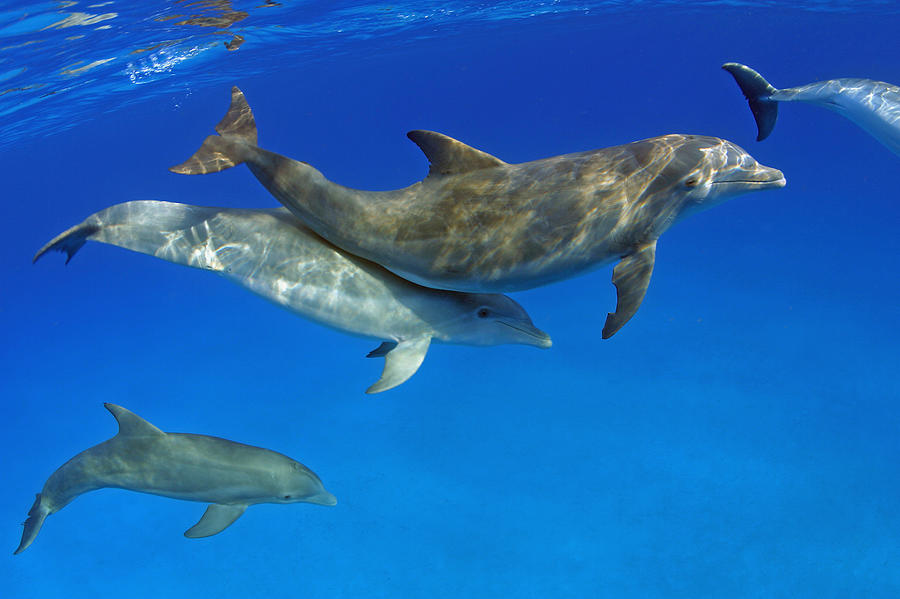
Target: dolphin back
36 516
757 91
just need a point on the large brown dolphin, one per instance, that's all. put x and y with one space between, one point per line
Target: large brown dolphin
478 224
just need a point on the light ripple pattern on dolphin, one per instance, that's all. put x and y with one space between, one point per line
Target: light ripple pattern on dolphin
872 105
229 476
479 224
274 255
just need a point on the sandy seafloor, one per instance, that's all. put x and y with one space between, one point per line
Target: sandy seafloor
738 438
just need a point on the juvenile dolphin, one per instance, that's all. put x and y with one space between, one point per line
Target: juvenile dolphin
272 254
478 224
872 105
229 476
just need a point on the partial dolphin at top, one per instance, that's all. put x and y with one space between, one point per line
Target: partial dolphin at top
478 224
229 476
274 255
872 105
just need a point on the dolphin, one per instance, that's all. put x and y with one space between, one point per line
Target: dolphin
229 476
872 105
478 224
271 253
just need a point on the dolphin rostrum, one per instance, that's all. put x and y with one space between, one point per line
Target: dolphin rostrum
872 105
229 476
478 224
271 253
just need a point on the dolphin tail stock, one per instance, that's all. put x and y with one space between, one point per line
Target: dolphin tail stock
69 241
36 516
236 130
757 91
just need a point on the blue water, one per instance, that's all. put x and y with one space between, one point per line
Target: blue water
738 438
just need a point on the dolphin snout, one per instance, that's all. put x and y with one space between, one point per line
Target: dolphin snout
772 176
752 177
544 342
532 335
323 498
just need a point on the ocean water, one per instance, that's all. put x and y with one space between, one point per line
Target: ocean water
739 437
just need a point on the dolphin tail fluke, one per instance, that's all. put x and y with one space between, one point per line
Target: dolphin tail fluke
36 516
69 241
237 130
757 91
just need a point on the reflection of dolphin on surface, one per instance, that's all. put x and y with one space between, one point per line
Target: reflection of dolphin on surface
229 476
477 223
271 253
873 105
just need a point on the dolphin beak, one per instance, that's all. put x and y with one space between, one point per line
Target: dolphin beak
323 498
769 177
533 335
758 177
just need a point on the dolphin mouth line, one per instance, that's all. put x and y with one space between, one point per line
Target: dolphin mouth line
774 181
534 333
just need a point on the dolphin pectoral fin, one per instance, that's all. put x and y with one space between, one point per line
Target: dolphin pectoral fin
631 277
216 518
400 363
382 350
449 156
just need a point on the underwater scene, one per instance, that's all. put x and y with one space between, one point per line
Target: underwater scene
508 299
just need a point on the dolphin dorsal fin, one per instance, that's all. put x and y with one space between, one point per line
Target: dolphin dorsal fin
130 424
449 156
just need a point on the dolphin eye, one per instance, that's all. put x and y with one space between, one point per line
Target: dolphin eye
692 182
483 313
287 496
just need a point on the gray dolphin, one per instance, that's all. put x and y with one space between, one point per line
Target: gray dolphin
271 253
478 224
872 105
229 476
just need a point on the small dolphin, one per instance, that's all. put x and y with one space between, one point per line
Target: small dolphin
272 254
229 476
478 224
872 105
